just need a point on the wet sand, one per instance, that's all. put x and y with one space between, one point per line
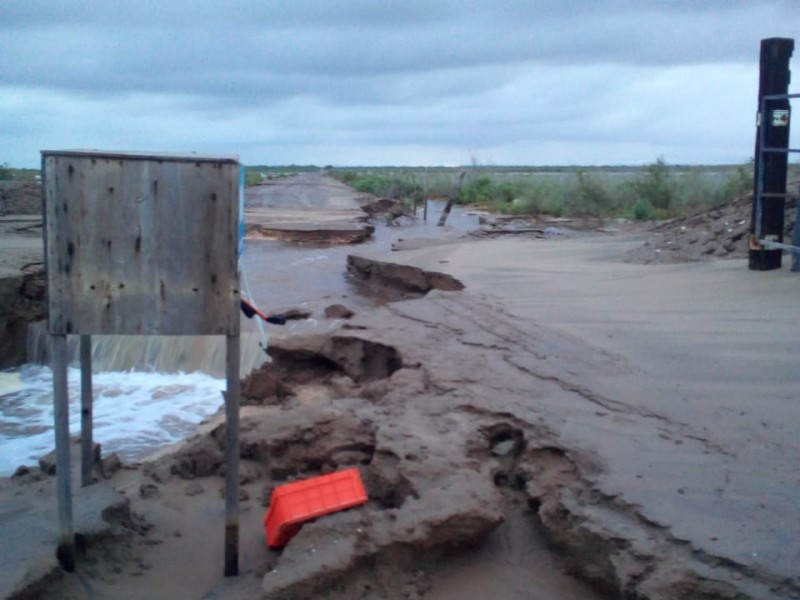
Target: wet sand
565 413
706 352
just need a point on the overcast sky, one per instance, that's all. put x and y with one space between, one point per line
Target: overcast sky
379 82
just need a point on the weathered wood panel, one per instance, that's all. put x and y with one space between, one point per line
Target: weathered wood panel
141 244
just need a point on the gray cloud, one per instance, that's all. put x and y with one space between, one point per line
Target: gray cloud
512 79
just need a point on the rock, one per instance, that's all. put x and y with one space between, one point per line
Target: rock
248 474
110 465
47 462
304 439
343 386
193 489
264 386
374 390
149 490
338 311
158 472
200 457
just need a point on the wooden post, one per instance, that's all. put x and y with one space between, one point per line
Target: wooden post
770 167
796 242
87 442
65 551
232 457
449 205
445 212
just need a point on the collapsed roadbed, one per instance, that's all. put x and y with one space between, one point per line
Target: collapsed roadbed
464 422
512 438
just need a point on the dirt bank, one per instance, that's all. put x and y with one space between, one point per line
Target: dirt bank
719 233
21 268
20 198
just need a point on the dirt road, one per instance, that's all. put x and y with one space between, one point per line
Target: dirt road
313 204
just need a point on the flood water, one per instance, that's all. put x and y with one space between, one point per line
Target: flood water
153 391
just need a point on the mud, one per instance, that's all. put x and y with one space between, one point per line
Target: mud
392 280
497 461
22 282
462 436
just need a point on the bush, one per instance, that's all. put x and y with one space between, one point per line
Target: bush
347 177
643 210
479 191
591 197
5 173
653 191
656 187
396 188
253 177
737 184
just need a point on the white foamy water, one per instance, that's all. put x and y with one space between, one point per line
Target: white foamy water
135 413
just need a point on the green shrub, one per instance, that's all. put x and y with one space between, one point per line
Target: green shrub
737 184
656 186
643 210
591 197
5 173
397 188
252 177
347 177
653 191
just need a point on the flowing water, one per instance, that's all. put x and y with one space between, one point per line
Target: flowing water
152 391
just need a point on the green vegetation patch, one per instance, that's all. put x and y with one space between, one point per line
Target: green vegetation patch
654 191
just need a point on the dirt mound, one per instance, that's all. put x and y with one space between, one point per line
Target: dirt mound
718 233
20 198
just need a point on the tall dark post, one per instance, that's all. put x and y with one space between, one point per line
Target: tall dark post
770 166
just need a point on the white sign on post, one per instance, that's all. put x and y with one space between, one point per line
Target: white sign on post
780 118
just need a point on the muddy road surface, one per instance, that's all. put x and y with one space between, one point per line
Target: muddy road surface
543 421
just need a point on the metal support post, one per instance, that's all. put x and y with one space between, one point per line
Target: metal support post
232 457
66 543
87 442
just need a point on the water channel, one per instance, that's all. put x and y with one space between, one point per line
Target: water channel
153 391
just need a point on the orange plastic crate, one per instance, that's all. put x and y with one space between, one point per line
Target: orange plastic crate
293 504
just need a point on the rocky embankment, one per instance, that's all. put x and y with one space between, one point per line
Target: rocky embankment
21 267
718 233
